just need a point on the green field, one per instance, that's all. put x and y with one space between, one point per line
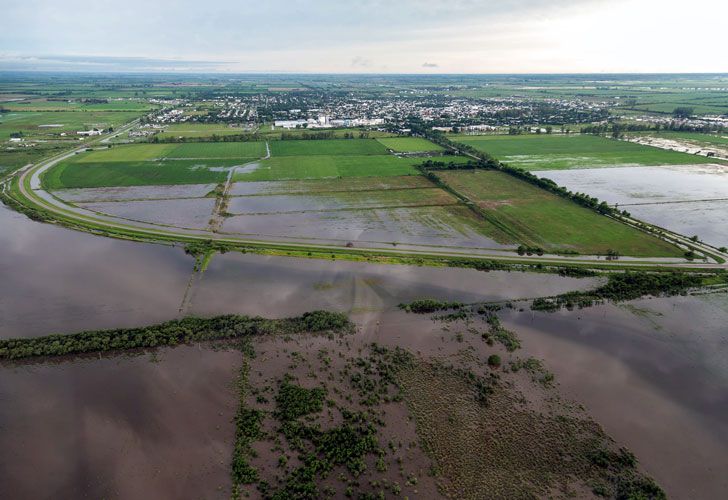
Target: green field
31 124
199 130
532 216
139 173
44 105
321 166
344 147
409 144
556 152
193 150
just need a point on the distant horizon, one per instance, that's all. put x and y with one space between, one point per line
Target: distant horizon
313 73
368 37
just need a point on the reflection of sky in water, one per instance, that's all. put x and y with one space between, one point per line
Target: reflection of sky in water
118 427
55 280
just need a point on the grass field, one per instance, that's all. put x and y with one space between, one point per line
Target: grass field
321 166
343 147
139 173
31 124
44 105
409 144
193 150
536 217
199 130
554 152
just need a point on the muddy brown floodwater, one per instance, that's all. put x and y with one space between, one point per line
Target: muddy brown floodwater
119 427
653 373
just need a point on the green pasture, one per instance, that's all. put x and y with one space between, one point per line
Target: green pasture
409 144
192 150
342 147
556 152
323 166
135 173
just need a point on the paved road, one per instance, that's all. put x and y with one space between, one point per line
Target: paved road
30 176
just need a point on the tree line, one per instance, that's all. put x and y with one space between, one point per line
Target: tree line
171 333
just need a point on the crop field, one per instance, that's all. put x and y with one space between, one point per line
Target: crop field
135 173
555 152
322 166
199 130
45 105
194 150
344 147
536 217
340 184
409 145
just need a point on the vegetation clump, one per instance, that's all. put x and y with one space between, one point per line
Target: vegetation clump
424 306
622 287
171 333
295 401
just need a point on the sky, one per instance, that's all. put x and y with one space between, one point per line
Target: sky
365 36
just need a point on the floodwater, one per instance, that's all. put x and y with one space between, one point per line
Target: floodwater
688 199
57 281
134 193
653 373
337 201
452 226
191 213
120 427
280 287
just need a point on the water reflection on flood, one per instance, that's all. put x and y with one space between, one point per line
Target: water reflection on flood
119 427
654 373
56 281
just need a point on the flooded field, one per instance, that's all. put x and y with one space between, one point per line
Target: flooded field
57 281
288 287
185 213
122 427
134 193
339 201
650 374
653 375
323 185
686 199
441 226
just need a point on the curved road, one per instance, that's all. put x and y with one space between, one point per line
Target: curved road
30 188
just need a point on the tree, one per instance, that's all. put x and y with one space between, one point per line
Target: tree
683 112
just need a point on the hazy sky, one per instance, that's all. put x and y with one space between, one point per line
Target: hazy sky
366 36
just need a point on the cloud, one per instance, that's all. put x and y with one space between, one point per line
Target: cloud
105 63
361 62
430 65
